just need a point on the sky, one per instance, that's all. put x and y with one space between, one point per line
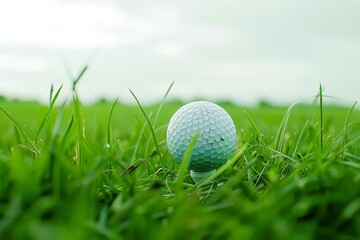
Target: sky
243 51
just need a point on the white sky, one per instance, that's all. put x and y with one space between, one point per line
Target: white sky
278 50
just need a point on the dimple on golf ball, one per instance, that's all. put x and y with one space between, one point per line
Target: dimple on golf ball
216 140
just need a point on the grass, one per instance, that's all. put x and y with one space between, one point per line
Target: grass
103 171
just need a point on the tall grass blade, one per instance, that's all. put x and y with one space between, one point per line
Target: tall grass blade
346 125
185 164
151 128
280 136
158 113
162 103
253 124
258 134
321 120
139 139
109 131
81 143
229 164
68 130
51 93
75 81
48 113
351 164
302 138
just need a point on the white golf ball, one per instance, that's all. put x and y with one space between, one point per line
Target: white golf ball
216 140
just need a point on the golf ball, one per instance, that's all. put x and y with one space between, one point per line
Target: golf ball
216 140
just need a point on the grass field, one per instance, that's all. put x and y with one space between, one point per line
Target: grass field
75 171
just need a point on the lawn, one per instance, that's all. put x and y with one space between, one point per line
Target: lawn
77 171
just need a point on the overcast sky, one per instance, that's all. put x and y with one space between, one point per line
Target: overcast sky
278 50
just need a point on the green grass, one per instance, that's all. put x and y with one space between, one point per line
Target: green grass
103 171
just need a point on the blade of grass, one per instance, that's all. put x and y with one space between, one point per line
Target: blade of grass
151 128
139 140
253 124
162 103
280 136
231 162
48 113
279 153
349 155
109 132
257 132
54 164
346 125
350 164
301 140
51 93
185 163
321 120
75 81
81 161
279 139
158 114
67 131
133 166
21 131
